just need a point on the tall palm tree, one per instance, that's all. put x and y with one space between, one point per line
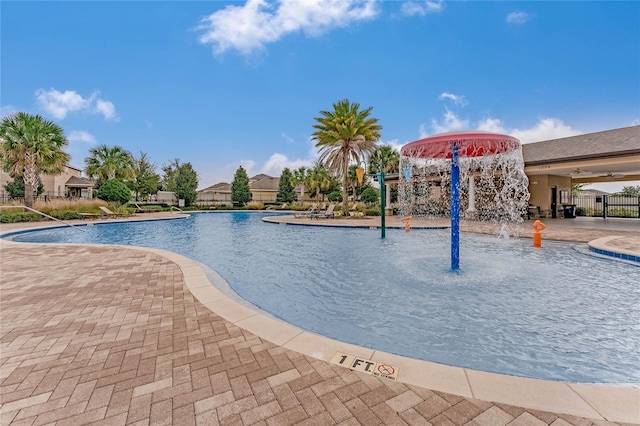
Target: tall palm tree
385 158
343 135
105 163
31 145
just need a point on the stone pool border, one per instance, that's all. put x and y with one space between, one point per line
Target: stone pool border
603 246
594 401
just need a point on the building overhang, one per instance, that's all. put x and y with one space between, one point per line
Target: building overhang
603 169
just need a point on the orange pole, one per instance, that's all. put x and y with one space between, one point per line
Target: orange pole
537 236
407 225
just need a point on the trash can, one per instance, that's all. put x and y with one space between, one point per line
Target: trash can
569 211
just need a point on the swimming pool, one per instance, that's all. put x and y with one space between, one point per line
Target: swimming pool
553 313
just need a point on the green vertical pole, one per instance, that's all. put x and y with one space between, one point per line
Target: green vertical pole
382 201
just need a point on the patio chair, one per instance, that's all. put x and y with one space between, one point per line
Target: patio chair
313 209
108 212
325 214
282 207
533 212
140 209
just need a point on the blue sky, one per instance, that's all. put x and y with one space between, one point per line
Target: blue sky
222 84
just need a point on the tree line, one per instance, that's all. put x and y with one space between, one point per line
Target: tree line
346 137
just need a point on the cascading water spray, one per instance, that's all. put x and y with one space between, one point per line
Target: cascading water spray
475 175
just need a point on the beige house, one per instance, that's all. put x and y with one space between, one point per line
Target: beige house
69 183
264 190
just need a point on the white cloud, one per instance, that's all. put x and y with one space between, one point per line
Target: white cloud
493 125
277 162
635 122
288 138
248 166
545 129
106 108
59 104
394 143
458 100
450 123
422 130
7 110
81 136
411 8
518 17
249 27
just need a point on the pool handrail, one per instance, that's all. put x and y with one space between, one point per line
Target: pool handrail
45 215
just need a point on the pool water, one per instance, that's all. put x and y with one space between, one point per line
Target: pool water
552 313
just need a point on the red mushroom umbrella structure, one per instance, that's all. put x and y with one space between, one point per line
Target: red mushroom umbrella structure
455 145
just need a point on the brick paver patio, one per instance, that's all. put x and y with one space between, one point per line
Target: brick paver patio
110 335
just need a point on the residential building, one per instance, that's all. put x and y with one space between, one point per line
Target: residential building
264 190
69 183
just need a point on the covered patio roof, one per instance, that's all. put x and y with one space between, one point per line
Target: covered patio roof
608 156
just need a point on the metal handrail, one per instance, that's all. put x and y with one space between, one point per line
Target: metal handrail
174 207
45 215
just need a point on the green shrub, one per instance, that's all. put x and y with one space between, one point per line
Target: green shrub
114 191
372 211
13 217
581 211
222 207
369 195
65 214
621 212
335 196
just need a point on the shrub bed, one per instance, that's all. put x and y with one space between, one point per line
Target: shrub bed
64 214
13 217
372 211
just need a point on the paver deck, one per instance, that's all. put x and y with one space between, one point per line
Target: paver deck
114 335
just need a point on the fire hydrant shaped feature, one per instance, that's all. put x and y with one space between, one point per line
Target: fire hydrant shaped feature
537 236
407 224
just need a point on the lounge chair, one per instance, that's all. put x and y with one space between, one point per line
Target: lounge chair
354 212
108 212
141 209
325 214
282 207
312 210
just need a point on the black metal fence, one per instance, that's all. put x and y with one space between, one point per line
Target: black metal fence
607 206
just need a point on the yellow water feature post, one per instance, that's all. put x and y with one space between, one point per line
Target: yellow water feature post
537 236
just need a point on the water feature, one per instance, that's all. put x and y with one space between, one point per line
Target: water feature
553 313
440 168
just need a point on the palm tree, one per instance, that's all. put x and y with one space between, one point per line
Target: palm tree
342 135
31 145
105 163
385 158
319 180
300 177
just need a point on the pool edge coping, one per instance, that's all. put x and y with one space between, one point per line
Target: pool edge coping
610 402
600 246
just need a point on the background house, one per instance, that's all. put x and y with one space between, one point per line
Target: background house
69 183
264 190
